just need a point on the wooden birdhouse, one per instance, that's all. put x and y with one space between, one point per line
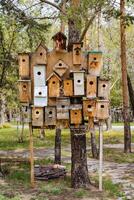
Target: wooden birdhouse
68 87
89 108
50 116
40 96
79 83
53 85
41 55
27 115
103 89
91 86
76 114
95 63
102 109
59 40
60 68
39 75
77 53
25 91
37 117
63 105
24 71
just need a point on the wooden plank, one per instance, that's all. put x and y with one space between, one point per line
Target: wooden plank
91 88
24 71
68 88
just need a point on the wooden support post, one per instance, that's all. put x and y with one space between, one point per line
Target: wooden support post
31 155
58 146
100 156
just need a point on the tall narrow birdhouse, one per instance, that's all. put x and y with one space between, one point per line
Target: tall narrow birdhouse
89 108
24 71
79 83
68 88
50 116
53 85
59 40
76 114
103 89
25 91
37 117
40 96
39 75
41 55
27 115
95 63
102 109
60 68
63 105
91 86
77 53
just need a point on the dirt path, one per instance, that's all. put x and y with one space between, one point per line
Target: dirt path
119 173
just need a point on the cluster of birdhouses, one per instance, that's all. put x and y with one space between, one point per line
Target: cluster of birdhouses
62 88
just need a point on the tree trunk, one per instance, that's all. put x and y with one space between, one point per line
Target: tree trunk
2 109
79 170
42 134
58 146
131 93
127 131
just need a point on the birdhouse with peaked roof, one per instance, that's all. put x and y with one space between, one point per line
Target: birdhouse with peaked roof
53 85
59 41
77 53
41 54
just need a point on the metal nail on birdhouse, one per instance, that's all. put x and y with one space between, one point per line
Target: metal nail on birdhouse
95 63
39 75
91 86
89 108
40 96
53 85
68 88
76 114
77 53
103 89
102 109
24 71
79 83
25 91
63 104
37 117
50 116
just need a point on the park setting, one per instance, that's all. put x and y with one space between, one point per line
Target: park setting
66 100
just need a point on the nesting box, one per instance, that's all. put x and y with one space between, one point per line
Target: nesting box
60 68
103 89
50 116
59 40
102 109
53 85
25 91
77 54
41 54
24 71
39 75
76 114
40 96
95 63
68 88
79 83
27 115
63 105
91 86
89 108
37 117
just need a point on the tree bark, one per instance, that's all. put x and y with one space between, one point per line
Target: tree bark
2 109
58 146
127 131
79 169
131 93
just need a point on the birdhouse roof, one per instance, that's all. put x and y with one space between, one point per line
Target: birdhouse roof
43 45
53 74
59 35
96 52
